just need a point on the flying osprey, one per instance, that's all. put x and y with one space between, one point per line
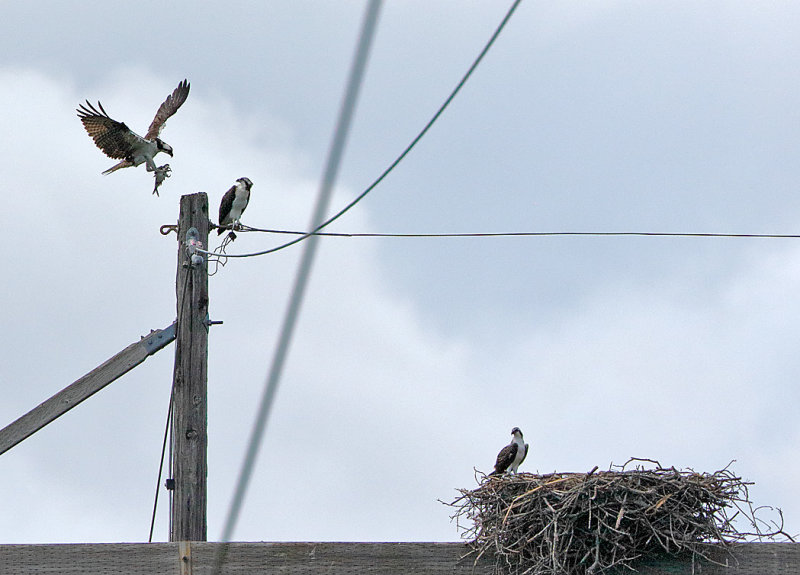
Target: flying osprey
233 205
118 141
512 455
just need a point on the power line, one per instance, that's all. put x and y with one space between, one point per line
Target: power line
408 148
161 467
506 234
332 164
221 256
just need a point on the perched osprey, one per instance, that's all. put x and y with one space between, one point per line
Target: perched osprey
233 205
118 141
512 455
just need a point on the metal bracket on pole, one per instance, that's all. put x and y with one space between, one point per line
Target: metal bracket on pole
208 322
159 339
192 243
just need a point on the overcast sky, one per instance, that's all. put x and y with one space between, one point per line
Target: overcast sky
413 358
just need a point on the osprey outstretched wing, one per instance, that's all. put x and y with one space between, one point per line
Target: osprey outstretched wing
167 109
118 141
114 138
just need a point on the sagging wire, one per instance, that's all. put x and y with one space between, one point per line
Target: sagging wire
161 463
243 228
223 257
218 257
332 163
407 149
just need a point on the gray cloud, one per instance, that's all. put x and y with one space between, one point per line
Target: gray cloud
413 358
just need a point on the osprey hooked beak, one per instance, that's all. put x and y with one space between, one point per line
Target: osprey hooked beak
163 146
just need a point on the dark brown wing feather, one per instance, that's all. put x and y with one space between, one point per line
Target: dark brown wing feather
112 137
505 458
167 108
225 208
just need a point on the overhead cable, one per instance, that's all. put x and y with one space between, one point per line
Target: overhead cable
332 164
408 148
509 234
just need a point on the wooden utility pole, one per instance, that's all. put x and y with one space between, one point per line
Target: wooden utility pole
190 407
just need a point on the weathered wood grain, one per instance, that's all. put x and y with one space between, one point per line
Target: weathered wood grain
190 405
84 388
332 558
340 559
90 559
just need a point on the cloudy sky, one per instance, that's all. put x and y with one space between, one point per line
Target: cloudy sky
413 358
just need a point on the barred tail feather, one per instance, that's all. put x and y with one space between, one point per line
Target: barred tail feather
120 165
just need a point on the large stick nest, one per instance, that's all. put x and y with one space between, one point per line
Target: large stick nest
575 523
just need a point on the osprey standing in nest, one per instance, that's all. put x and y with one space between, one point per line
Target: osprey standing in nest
512 455
118 141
